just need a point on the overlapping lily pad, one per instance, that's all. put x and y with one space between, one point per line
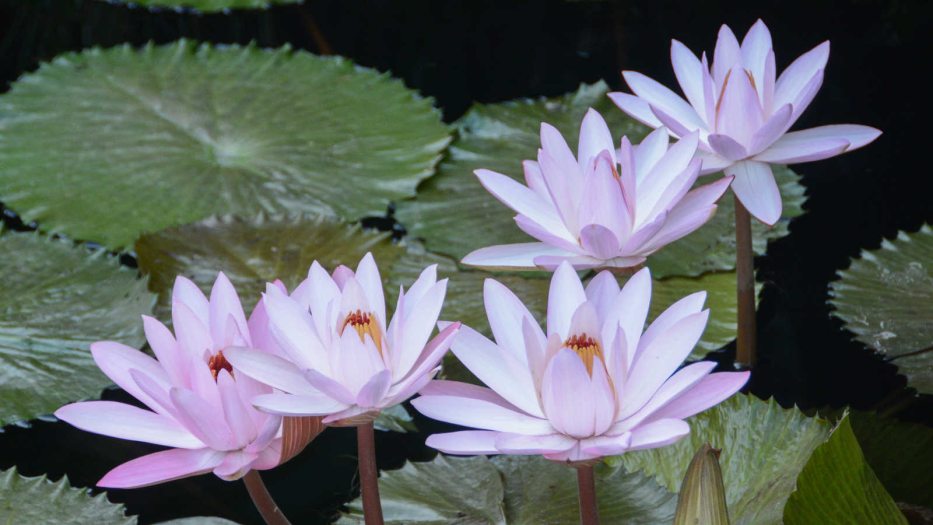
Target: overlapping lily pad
56 299
513 490
885 298
455 215
107 144
206 6
765 450
39 500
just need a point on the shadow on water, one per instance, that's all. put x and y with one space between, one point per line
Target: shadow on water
460 52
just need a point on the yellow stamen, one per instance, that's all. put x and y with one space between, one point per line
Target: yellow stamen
587 348
364 323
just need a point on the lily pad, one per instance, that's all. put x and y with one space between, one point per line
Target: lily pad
206 6
455 215
160 136
885 298
39 500
514 490
838 487
55 300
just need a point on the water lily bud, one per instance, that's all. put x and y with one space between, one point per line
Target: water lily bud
702 498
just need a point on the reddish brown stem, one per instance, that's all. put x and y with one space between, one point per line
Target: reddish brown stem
320 42
745 281
263 501
586 483
369 474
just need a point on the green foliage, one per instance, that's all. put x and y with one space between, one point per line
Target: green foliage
885 298
172 134
55 300
39 500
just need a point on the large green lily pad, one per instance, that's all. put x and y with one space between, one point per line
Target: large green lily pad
455 215
150 138
208 6
885 298
55 300
513 490
39 500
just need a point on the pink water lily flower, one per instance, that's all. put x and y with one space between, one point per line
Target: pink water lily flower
197 403
593 385
602 208
343 360
742 111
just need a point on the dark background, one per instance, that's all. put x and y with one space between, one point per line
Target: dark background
488 51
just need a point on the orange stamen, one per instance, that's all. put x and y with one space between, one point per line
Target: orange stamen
587 348
218 362
364 323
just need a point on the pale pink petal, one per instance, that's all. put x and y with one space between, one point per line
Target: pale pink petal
604 399
673 126
259 330
157 393
584 262
523 200
374 390
118 360
772 130
756 188
534 179
603 200
270 456
187 293
407 388
508 443
636 108
683 308
225 303
567 395
755 49
443 387
694 210
367 274
739 114
677 159
417 329
818 143
727 147
602 291
797 75
712 162
498 369
166 350
607 445
680 382
599 242
539 232
574 454
658 433
475 413
513 256
235 465
689 74
127 422
655 362
298 405
806 95
645 231
727 54
710 391
202 419
193 336
330 387
291 327
657 95
237 414
565 186
649 152
269 369
535 348
427 362
677 189
355 362
595 138
159 467
565 295
341 275
557 149
321 296
630 310
505 312
466 442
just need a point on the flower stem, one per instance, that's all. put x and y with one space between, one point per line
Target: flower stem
745 277
369 474
266 506
586 482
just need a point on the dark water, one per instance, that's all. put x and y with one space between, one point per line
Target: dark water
488 51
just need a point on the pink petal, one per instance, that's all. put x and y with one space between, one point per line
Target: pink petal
599 241
565 186
374 390
523 200
565 295
118 360
603 200
258 324
674 127
630 310
678 384
659 433
330 387
505 312
417 329
202 419
355 362
602 291
679 186
568 395
818 143
427 361
320 295
600 446
159 467
298 405
595 138
649 152
498 369
238 415
557 149
225 303
291 327
127 422
689 72
467 442
187 293
795 78
548 237
710 391
755 49
534 179
712 162
585 262
726 146
756 188
235 465
727 54
680 310
513 256
166 350
522 444
656 362
270 456
694 210
367 274
636 108
476 413
740 113
193 336
443 387
772 130
269 369
664 99
677 159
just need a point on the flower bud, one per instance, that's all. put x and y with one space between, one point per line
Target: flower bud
702 499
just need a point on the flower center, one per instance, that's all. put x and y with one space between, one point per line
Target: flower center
587 348
218 362
364 323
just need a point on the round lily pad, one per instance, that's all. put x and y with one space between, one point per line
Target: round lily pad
206 6
455 215
55 300
885 298
107 144
39 500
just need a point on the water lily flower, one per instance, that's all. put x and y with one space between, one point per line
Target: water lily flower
742 111
592 385
343 360
602 208
197 403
